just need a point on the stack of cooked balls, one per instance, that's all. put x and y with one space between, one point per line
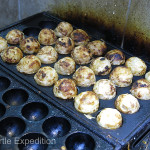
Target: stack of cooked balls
82 52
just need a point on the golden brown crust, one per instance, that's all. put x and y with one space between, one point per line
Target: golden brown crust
86 102
97 47
47 37
3 44
121 76
65 89
30 45
116 57
80 37
29 64
65 66
63 29
64 45
136 65
81 55
46 76
11 55
84 76
14 36
141 89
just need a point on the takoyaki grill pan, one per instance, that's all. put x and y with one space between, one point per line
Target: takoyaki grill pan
135 127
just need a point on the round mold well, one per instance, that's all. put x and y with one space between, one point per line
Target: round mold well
35 111
2 110
48 24
36 141
32 31
15 97
4 83
12 127
80 141
56 126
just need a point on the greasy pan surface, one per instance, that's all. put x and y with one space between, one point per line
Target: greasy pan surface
131 123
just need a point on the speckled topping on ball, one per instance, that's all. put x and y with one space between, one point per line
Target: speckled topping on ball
29 64
47 37
30 45
121 76
65 89
109 118
116 57
65 66
84 76
86 102
47 55
46 76
11 55
63 29
64 45
97 47
14 36
101 66
80 37
81 55
3 44
105 89
127 104
141 89
137 66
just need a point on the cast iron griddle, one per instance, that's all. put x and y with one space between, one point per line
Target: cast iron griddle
132 124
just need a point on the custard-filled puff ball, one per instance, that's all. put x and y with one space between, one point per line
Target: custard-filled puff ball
105 89
30 45
137 66
101 66
81 55
65 66
109 118
84 76
116 57
14 36
11 55
80 37
64 45
127 103
63 29
46 76
65 89
86 102
97 47
47 55
121 76
47 37
141 89
3 44
29 64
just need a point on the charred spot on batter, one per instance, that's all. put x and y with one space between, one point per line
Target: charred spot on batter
64 63
28 47
62 43
102 58
89 75
135 84
65 86
42 73
69 42
118 56
28 40
32 39
143 85
79 37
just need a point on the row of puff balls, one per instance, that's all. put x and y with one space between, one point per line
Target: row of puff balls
86 102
